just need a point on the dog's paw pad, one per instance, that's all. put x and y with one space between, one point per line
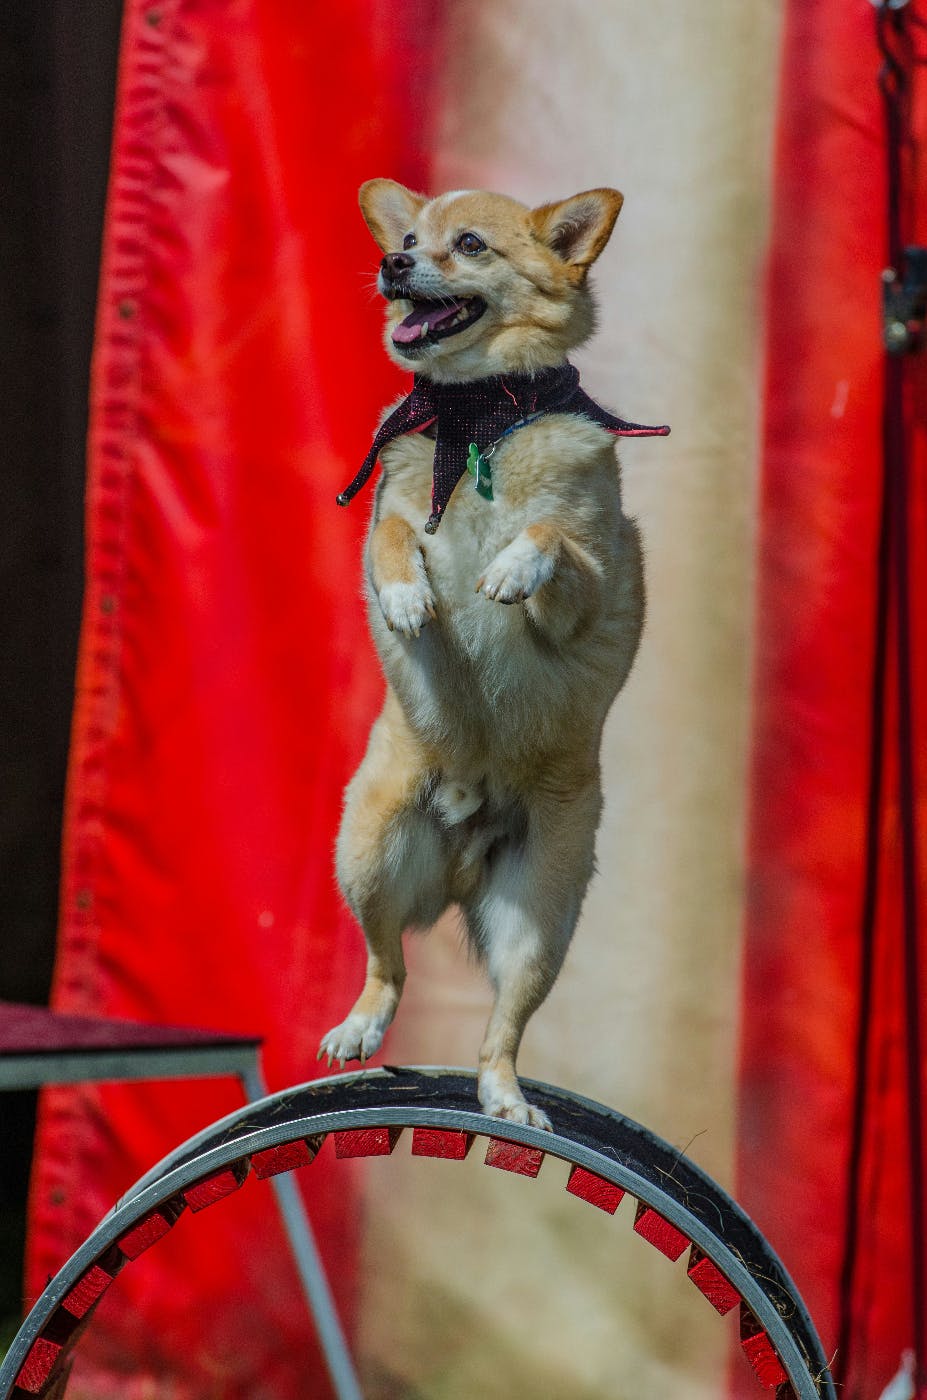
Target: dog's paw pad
517 572
407 607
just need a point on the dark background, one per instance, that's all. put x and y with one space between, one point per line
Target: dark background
57 82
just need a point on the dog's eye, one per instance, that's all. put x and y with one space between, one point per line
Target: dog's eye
471 244
409 241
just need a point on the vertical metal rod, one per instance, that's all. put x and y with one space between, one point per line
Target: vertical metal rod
896 444
896 90
894 42
867 963
309 1267
891 79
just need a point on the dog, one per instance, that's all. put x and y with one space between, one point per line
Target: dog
506 617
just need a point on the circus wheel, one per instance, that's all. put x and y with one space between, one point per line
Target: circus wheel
609 1160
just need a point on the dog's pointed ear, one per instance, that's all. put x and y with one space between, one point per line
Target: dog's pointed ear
389 211
578 228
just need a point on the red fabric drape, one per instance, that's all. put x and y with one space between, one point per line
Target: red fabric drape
819 527
225 682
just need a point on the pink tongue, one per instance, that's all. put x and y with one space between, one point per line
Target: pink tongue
432 312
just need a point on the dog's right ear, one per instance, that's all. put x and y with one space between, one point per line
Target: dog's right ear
578 228
389 211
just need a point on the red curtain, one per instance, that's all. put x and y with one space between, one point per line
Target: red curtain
225 682
830 1185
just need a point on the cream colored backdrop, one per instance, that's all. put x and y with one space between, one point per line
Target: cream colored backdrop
475 1283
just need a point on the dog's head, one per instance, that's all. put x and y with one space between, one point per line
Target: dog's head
479 284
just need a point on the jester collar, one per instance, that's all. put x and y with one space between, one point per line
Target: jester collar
480 411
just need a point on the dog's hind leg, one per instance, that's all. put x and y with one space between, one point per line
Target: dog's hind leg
392 869
522 920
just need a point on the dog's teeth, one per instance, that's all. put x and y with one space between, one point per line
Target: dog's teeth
423 331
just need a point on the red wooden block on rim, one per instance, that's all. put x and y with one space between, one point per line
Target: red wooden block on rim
152 1228
285 1158
759 1351
86 1291
651 1226
710 1281
514 1157
449 1145
366 1142
217 1186
37 1367
594 1189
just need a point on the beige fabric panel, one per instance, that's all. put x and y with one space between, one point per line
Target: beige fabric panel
477 1283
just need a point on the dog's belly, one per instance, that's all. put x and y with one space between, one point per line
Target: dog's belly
492 695
483 684
477 688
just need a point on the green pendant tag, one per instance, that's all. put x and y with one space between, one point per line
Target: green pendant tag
478 467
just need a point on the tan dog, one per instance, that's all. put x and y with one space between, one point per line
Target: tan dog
480 786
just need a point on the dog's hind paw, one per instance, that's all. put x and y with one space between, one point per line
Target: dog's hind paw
526 1113
407 607
357 1038
508 1103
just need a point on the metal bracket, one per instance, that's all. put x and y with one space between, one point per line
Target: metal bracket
904 303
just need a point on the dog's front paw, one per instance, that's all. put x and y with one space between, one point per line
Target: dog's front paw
407 606
516 572
357 1038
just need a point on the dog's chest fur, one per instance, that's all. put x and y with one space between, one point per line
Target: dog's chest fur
493 687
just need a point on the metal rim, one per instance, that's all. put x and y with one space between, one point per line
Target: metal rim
679 1207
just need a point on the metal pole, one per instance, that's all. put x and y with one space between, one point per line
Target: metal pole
309 1267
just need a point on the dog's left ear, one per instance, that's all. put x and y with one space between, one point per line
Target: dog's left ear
577 229
389 211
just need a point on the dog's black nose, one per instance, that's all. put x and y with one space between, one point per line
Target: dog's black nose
395 264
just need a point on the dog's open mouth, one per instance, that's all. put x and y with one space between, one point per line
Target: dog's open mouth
435 320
